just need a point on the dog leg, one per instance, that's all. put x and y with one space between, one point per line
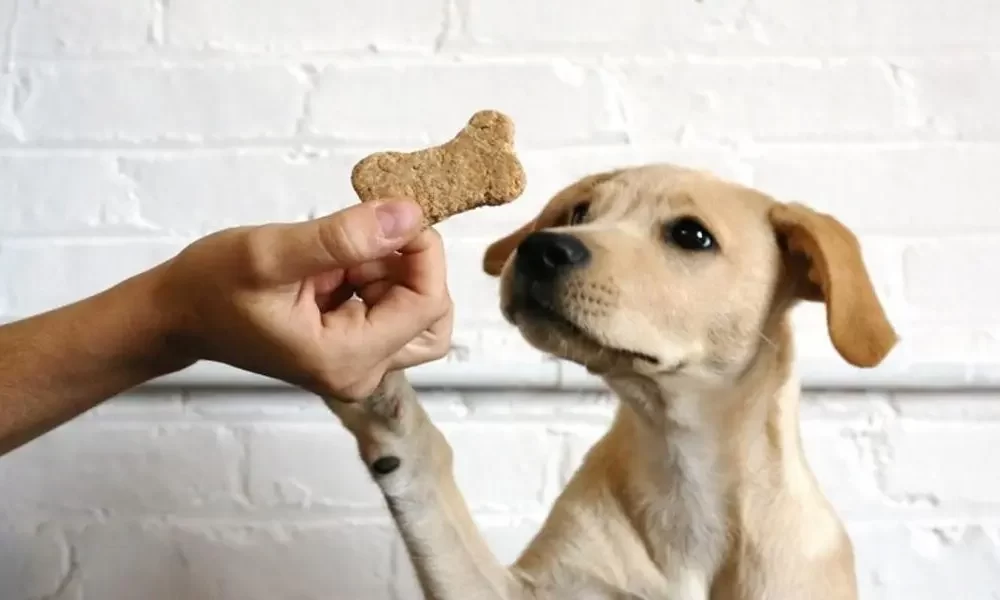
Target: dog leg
411 462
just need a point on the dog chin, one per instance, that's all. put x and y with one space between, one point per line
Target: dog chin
557 342
560 336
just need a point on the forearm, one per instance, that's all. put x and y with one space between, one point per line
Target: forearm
59 364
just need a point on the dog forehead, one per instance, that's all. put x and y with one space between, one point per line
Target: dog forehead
668 189
658 191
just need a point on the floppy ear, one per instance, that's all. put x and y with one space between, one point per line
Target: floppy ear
498 252
555 212
836 275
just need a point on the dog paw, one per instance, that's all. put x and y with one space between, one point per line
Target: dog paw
394 435
381 413
385 402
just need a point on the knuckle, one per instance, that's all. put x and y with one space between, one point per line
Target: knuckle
441 349
435 238
430 313
258 250
443 305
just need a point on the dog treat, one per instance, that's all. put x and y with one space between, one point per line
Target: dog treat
476 168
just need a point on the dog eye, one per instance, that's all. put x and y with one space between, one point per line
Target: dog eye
689 234
579 213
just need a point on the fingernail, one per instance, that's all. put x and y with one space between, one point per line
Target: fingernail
397 218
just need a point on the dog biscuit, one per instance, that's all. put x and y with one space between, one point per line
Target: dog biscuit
475 168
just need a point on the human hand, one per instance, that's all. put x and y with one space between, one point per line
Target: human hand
279 299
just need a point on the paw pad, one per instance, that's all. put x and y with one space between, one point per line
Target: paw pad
385 465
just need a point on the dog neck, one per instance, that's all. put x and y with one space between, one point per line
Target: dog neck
695 460
756 412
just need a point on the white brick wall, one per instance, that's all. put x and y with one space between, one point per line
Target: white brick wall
128 128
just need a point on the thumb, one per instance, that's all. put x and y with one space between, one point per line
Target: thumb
348 237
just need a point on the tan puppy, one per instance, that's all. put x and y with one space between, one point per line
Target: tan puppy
673 286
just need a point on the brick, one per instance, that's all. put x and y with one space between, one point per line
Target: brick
138 103
221 560
761 100
967 407
957 95
11 98
508 537
927 562
860 410
172 119
936 460
476 299
628 26
551 102
73 270
732 28
916 26
499 340
563 407
120 468
8 14
945 340
309 465
200 193
254 406
89 194
50 28
844 463
33 563
305 25
886 189
313 465
265 407
184 191
500 467
141 405
944 279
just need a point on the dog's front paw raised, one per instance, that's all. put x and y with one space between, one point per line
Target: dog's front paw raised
382 408
384 423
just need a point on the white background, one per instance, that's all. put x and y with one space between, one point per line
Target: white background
129 127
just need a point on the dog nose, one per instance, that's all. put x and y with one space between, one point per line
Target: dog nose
545 254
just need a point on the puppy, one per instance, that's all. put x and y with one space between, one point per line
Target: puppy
674 287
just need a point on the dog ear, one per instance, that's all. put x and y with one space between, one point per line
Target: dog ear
497 253
556 211
834 273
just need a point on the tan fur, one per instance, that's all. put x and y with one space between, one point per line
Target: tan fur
699 490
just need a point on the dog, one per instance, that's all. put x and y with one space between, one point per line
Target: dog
674 286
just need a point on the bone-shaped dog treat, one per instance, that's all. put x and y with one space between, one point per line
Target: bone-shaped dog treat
476 168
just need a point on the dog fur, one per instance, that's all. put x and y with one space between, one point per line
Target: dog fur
700 489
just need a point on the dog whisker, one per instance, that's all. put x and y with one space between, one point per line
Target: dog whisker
766 339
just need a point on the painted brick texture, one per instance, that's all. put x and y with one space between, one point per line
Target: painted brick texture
129 128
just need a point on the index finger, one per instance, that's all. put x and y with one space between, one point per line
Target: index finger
422 263
412 304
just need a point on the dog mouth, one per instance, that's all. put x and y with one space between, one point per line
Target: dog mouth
537 310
